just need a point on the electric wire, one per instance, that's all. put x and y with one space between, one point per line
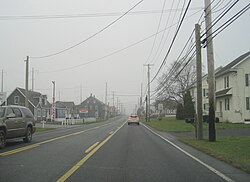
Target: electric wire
228 22
88 15
114 52
174 38
157 53
156 31
85 40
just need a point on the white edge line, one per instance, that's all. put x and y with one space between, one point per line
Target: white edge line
193 157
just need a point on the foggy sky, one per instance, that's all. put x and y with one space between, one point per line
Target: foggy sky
124 71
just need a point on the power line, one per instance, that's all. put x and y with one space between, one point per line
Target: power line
164 61
157 31
114 52
71 47
229 22
88 15
220 16
158 48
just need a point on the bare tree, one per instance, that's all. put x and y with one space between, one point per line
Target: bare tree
174 82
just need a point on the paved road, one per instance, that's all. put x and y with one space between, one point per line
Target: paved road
116 152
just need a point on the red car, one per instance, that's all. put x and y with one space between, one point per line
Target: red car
133 119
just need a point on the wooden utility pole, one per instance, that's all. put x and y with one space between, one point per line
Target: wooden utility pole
211 76
199 83
148 98
32 79
27 82
2 82
106 99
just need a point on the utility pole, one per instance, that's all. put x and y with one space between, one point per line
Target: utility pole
2 82
141 97
106 99
199 83
211 75
53 102
32 79
117 104
148 98
113 99
80 94
27 82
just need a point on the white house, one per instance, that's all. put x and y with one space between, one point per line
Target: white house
232 84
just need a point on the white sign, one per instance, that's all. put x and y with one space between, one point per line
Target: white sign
2 97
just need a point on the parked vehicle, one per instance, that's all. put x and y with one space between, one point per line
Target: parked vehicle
133 119
16 122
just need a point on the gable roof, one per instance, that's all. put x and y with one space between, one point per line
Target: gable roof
64 104
32 95
92 98
232 64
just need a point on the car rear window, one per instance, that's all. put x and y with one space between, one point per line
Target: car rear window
2 111
27 113
17 112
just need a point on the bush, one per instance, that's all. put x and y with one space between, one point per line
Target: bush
179 112
188 110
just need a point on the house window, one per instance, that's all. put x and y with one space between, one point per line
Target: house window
227 105
247 76
226 82
16 100
206 107
248 103
205 92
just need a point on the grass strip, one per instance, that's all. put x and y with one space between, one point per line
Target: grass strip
44 129
233 150
174 125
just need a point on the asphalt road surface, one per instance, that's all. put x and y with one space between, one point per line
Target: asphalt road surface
109 151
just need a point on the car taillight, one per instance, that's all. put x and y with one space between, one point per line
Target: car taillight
129 118
138 119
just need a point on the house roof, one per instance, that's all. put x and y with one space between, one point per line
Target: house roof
63 104
93 98
32 96
232 64
222 93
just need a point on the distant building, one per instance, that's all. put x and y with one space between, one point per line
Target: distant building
92 108
38 103
65 110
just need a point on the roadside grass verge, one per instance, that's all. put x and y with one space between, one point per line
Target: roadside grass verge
233 150
170 124
174 125
44 129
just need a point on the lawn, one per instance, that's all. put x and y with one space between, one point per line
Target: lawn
174 125
44 129
170 124
233 150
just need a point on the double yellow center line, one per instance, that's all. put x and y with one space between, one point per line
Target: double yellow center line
92 150
46 141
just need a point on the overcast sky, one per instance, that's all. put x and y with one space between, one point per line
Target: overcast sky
26 32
